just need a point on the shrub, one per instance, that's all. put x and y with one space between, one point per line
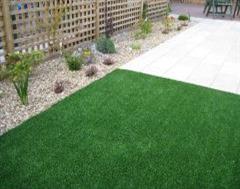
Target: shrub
91 71
183 17
58 87
146 26
145 29
74 62
108 61
136 46
105 45
19 68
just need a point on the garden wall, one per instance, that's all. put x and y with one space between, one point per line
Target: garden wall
83 21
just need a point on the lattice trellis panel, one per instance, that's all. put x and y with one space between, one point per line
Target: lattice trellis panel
124 13
78 23
2 41
156 8
83 20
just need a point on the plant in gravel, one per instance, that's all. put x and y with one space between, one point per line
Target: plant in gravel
105 45
108 61
58 87
1 94
183 17
19 68
145 27
135 46
88 56
91 71
3 73
74 62
168 23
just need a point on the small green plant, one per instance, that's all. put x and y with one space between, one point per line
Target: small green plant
19 68
3 73
135 46
105 45
183 17
74 62
146 26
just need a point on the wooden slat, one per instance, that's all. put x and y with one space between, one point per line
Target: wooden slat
84 20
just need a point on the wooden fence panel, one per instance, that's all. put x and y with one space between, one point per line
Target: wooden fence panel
124 13
2 35
156 8
83 21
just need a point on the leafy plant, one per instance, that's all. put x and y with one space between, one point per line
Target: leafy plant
136 46
74 62
183 17
3 73
19 68
91 71
105 45
58 87
146 26
108 62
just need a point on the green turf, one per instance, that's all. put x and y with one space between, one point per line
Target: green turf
128 130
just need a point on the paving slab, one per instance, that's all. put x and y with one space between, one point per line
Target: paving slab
207 54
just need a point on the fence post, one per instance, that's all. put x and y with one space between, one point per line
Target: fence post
7 26
97 15
141 11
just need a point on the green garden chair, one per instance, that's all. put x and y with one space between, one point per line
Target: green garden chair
222 4
237 9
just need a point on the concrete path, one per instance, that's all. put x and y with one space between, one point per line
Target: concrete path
207 54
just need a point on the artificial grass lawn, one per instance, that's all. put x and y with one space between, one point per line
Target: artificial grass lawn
128 130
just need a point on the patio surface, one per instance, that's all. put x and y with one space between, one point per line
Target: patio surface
206 54
196 10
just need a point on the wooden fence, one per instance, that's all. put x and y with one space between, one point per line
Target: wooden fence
84 21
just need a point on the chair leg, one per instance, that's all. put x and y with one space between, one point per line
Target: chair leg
205 8
208 11
225 11
235 11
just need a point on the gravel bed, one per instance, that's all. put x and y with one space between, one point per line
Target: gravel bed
44 76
